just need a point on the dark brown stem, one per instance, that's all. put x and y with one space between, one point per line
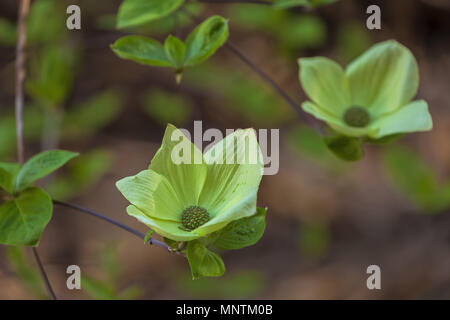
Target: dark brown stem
24 7
116 223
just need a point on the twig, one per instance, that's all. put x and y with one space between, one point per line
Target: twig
116 223
24 7
43 274
298 109
302 115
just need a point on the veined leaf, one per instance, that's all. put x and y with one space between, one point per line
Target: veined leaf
40 166
203 262
242 233
142 50
136 12
23 219
346 148
206 39
8 174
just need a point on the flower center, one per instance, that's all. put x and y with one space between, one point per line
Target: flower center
193 217
357 116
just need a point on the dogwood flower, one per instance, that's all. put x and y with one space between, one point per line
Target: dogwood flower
372 97
192 198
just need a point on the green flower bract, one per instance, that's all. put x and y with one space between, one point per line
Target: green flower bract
217 191
382 81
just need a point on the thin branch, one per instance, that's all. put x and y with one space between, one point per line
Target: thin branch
302 115
297 108
24 7
116 223
43 274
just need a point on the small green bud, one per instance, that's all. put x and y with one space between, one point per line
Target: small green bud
357 116
193 217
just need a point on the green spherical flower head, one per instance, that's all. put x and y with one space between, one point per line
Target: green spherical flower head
357 116
193 217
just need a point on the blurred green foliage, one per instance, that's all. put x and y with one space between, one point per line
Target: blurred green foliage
51 76
52 12
167 107
92 115
8 32
352 40
80 174
292 31
29 276
314 239
33 123
108 287
245 96
284 4
46 22
243 284
416 179
158 27
308 144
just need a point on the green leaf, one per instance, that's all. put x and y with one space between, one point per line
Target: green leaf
205 40
147 235
41 165
92 115
142 50
243 232
80 175
167 107
8 174
22 267
175 51
98 289
136 12
203 263
51 75
46 22
23 219
346 148
284 4
171 243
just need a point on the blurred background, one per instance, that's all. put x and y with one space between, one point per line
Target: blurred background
328 220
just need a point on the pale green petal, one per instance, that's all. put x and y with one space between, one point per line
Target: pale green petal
168 229
384 78
410 118
235 166
186 173
334 122
152 194
237 208
325 83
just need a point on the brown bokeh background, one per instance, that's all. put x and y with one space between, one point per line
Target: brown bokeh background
324 228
